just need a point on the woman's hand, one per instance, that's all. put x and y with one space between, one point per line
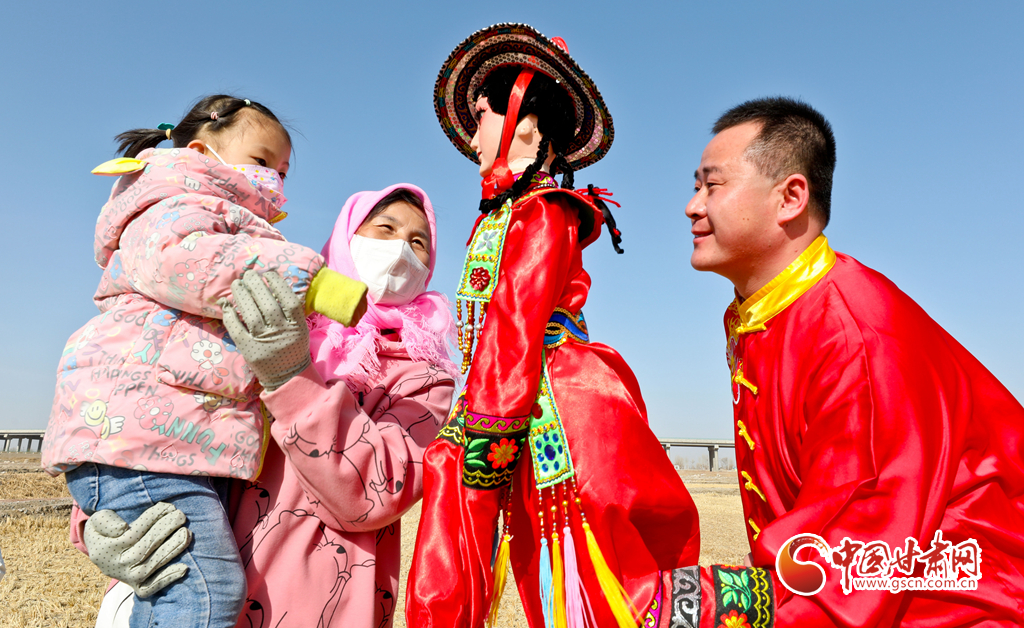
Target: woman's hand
273 337
134 554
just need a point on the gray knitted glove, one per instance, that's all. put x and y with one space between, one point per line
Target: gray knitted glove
134 554
273 338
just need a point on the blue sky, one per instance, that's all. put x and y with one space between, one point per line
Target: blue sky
925 99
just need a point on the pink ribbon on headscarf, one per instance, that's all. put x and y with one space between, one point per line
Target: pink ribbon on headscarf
425 324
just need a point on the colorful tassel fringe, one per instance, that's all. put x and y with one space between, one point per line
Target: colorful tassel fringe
558 583
546 598
500 574
573 585
622 607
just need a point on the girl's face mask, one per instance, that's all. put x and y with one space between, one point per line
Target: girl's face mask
264 179
389 268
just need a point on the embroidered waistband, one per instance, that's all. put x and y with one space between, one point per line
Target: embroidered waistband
564 325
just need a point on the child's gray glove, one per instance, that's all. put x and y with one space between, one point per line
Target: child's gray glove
134 554
273 338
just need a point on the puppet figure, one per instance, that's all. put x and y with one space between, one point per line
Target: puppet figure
547 462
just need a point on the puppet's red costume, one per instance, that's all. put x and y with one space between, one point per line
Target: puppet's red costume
551 432
641 515
857 416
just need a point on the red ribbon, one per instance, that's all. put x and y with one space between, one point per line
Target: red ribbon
501 178
604 195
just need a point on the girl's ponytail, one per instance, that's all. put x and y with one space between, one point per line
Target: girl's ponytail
210 115
131 143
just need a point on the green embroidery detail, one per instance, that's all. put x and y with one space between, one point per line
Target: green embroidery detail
735 588
743 596
490 459
551 461
483 258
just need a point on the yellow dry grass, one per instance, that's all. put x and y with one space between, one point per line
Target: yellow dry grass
49 583
32 486
723 539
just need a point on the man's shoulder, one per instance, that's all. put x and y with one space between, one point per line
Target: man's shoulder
865 290
866 302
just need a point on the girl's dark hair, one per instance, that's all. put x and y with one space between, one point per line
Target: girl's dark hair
556 121
395 196
210 115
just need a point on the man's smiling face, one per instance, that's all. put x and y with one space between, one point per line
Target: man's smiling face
734 220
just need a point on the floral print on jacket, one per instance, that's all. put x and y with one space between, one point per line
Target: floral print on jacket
153 381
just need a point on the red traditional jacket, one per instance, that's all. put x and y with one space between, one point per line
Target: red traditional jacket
858 417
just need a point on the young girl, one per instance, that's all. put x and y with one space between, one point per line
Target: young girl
153 401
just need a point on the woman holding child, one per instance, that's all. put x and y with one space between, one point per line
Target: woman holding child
347 411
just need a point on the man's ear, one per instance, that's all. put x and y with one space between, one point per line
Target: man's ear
795 195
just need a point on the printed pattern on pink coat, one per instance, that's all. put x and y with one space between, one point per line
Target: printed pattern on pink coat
319 531
154 382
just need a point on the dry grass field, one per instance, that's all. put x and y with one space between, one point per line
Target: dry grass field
51 584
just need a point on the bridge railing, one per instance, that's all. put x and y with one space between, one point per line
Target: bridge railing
21 437
14 440
712 445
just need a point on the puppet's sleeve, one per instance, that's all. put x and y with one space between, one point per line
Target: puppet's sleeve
502 386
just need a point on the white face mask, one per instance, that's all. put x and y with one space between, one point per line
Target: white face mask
389 268
265 179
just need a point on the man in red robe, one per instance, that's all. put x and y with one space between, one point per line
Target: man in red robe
860 424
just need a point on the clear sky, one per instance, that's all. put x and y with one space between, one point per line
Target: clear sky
926 99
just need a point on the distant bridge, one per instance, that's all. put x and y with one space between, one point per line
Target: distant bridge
712 445
18 438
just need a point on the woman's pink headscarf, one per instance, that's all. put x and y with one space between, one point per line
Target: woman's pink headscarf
425 323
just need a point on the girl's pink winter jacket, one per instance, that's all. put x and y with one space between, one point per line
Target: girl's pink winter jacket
154 382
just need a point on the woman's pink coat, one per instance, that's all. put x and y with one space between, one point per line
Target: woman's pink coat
154 382
319 531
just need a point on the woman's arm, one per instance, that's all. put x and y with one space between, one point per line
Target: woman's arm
361 471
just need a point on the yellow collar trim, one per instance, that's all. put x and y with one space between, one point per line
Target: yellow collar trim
788 286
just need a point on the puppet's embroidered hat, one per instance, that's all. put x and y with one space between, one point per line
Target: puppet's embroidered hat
519 44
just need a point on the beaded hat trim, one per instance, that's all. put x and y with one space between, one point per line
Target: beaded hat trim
519 44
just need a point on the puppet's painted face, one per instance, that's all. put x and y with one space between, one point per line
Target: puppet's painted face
488 135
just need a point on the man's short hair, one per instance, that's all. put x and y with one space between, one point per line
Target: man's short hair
794 138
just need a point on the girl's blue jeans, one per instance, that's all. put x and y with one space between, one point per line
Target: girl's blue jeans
212 593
